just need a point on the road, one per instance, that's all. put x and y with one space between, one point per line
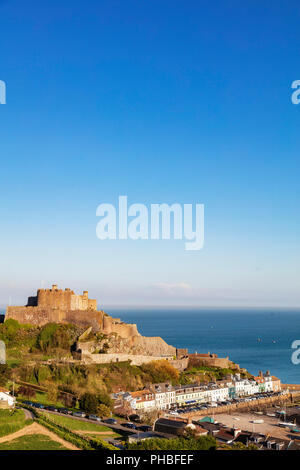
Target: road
28 414
116 427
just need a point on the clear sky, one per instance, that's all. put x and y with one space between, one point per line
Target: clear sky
162 101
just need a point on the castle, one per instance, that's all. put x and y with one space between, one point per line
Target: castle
64 306
122 340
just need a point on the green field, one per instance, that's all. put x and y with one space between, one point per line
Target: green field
112 435
32 442
11 421
76 424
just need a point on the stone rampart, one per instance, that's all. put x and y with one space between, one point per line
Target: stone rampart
135 359
212 361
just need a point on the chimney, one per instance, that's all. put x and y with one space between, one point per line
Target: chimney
260 374
85 293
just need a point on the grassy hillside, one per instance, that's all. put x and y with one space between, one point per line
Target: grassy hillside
32 442
12 421
76 424
34 356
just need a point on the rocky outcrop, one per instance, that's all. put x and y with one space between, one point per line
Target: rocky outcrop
139 345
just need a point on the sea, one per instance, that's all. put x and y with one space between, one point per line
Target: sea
256 339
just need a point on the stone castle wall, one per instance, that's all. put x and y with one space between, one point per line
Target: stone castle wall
115 325
135 359
62 299
212 360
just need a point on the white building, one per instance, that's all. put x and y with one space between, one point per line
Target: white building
216 394
268 383
245 387
190 394
5 396
164 395
143 400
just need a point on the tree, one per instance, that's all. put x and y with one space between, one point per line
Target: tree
179 443
52 392
105 399
68 400
4 374
103 411
241 446
26 391
89 402
9 330
149 417
55 335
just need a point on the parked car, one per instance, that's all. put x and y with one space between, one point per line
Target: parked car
64 411
129 425
145 428
94 418
38 405
79 414
51 408
110 421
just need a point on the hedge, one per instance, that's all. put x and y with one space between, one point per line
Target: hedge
85 443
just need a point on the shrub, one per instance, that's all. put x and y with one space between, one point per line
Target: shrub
160 371
9 329
179 443
56 335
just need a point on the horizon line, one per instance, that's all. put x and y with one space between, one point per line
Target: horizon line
189 307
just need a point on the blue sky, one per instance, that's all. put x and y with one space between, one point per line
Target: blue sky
162 101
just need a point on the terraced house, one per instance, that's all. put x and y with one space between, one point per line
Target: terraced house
164 396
